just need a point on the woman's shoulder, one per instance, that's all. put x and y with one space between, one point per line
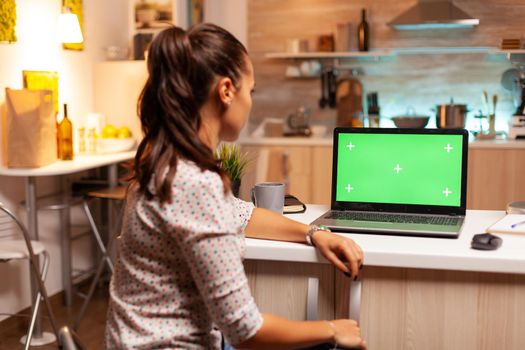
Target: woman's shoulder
188 174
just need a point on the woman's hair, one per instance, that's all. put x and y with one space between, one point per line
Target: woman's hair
182 67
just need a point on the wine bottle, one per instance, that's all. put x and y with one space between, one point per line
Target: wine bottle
66 137
362 32
57 127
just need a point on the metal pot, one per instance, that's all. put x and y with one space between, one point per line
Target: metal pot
451 116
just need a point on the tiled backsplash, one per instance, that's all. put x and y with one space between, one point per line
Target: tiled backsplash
421 81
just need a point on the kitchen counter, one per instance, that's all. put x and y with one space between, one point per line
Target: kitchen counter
433 287
327 141
409 252
285 141
498 144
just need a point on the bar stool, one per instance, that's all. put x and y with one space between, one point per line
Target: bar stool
112 195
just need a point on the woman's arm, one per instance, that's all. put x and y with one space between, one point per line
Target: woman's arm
279 333
343 252
266 224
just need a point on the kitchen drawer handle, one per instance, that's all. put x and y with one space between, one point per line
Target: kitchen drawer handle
312 296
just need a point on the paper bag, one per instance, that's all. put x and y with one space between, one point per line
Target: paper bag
31 128
3 135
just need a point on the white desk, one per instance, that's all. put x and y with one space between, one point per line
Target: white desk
411 252
80 163
406 252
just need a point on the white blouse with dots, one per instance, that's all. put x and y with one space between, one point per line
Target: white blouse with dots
179 274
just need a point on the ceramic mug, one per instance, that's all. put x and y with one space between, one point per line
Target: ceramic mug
269 195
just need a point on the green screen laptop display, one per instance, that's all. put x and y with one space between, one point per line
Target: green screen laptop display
399 169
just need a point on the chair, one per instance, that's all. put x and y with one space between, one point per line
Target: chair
28 249
113 195
62 204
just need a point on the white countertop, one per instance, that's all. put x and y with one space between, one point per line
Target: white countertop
286 141
498 144
327 141
409 252
64 167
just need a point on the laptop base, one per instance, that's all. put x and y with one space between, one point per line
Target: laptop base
390 228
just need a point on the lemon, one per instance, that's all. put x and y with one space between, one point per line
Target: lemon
124 133
108 132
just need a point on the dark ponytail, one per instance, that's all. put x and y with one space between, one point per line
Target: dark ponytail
182 67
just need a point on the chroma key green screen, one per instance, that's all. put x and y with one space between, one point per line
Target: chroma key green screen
399 169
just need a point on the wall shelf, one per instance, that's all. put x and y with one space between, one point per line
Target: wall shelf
332 59
377 54
442 50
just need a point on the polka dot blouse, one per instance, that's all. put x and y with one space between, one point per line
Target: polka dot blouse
179 280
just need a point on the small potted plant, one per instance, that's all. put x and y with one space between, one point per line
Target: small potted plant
234 163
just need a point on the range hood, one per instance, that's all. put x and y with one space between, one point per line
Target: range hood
433 15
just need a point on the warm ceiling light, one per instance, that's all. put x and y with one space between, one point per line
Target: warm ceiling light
69 28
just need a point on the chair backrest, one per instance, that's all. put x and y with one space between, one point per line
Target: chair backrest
4 212
8 227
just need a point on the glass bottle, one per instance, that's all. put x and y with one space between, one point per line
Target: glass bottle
81 140
66 137
362 32
92 140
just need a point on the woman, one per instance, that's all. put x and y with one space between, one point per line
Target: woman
179 281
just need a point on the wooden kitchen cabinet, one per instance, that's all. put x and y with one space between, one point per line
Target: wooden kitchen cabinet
496 177
410 309
321 175
281 288
402 308
307 170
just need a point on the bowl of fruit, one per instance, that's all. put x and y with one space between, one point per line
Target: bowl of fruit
113 140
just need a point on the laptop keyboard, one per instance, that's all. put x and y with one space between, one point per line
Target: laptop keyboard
405 218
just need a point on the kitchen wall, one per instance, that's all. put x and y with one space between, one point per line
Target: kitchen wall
87 84
421 81
37 49
119 83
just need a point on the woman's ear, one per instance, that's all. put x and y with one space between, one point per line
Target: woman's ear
226 91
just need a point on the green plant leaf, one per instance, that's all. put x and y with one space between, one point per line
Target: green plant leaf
233 161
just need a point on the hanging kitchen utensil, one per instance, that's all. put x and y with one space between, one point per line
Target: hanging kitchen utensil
332 87
349 98
323 101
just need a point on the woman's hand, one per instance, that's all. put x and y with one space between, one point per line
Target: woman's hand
343 252
347 334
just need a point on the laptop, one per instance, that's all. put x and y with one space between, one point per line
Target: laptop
398 181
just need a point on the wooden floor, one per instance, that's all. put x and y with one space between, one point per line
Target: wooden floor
91 331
